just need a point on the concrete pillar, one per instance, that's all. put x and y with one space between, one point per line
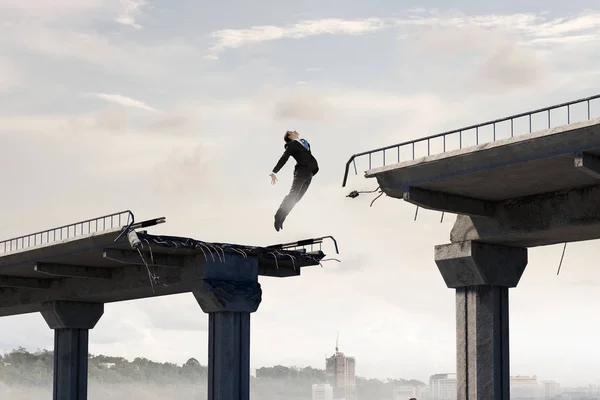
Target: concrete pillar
228 304
71 322
481 274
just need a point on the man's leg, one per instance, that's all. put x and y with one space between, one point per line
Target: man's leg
300 194
299 187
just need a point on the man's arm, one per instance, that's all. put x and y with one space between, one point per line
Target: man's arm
282 161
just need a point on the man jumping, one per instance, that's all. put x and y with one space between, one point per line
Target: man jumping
306 168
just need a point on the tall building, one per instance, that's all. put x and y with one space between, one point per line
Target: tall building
404 393
340 372
423 393
594 391
550 389
524 387
322 391
442 387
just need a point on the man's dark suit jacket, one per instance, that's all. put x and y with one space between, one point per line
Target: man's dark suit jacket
305 161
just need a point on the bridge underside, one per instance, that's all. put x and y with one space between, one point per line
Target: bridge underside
536 189
96 268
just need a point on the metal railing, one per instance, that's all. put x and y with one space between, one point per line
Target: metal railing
99 224
494 126
306 245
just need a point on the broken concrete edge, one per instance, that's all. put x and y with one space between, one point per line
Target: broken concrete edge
218 250
215 295
474 263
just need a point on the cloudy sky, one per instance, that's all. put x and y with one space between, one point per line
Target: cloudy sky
177 109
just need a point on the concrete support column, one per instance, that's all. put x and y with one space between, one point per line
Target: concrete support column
229 305
481 274
71 322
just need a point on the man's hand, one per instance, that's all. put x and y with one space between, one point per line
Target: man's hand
273 178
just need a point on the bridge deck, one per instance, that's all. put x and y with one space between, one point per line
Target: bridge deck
102 266
534 163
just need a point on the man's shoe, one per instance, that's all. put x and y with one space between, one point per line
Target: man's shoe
277 224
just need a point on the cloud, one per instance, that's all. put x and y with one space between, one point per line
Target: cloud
122 100
533 26
188 315
302 102
298 103
111 119
68 41
497 52
508 67
188 170
528 27
169 123
54 9
130 9
9 75
115 119
121 11
235 38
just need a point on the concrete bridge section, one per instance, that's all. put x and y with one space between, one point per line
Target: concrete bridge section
68 273
533 189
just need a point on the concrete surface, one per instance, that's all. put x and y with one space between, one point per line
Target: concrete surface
539 220
482 343
71 322
229 356
229 304
529 164
482 274
72 315
467 264
532 190
228 296
94 268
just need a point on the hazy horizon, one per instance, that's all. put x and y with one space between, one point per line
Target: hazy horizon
178 110
28 375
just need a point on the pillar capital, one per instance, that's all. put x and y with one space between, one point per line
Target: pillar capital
228 296
72 315
474 263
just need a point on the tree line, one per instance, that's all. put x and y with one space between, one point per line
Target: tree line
22 367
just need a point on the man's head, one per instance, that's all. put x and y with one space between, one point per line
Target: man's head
290 135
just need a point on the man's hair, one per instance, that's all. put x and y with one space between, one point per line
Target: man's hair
286 137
